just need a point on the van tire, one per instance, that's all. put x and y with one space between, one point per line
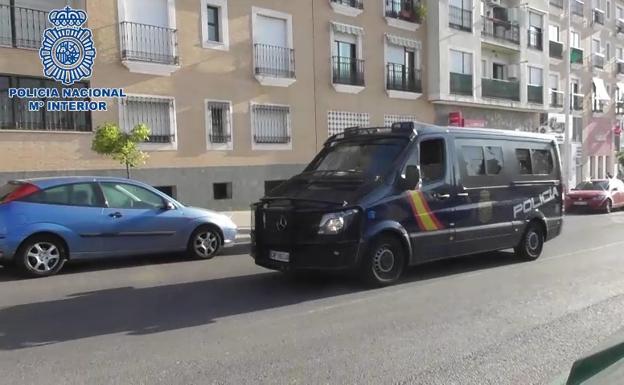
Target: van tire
532 243
384 262
41 256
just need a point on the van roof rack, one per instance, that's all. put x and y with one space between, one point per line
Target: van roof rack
349 132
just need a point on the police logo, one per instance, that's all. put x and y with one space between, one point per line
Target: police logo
67 50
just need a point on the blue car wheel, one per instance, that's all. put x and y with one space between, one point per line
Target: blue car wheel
41 256
205 242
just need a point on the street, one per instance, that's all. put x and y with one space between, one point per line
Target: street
487 319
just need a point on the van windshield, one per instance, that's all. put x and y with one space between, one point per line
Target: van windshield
368 158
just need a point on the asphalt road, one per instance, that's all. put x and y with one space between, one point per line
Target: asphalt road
487 319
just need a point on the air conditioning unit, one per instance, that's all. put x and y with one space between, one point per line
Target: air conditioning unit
513 72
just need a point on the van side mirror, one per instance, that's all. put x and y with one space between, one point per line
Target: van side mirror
412 178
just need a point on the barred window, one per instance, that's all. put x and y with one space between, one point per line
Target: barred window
270 124
157 113
389 119
15 115
219 121
337 121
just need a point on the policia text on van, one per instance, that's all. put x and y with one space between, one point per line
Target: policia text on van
380 199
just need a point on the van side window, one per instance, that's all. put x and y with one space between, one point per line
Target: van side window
432 160
493 160
475 160
524 161
542 162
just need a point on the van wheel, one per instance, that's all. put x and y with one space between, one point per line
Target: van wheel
384 263
205 243
41 256
532 243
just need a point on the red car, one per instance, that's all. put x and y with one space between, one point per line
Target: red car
596 195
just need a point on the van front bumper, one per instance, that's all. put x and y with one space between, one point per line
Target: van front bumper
325 256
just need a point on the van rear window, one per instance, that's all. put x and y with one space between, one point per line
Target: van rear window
524 161
535 162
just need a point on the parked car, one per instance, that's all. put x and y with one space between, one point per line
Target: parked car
596 195
44 222
376 200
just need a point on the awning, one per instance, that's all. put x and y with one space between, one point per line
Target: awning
348 29
404 42
601 90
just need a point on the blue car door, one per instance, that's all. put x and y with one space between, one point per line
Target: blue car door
140 222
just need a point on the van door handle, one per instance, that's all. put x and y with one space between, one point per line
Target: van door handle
441 196
465 195
115 215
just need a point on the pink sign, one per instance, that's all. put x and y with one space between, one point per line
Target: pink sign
481 123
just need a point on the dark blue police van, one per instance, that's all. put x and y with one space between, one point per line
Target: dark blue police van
380 199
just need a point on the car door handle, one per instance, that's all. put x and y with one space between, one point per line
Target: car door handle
115 215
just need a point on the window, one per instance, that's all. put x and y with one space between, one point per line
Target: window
607 51
461 62
222 191
619 53
484 69
619 12
596 46
460 14
576 40
432 160
524 161
553 81
535 30
15 115
81 194
129 196
493 160
498 71
219 124
214 19
474 160
553 32
270 124
542 162
535 76
273 43
270 185
337 121
600 166
158 113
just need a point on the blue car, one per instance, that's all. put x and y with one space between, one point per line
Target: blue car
45 222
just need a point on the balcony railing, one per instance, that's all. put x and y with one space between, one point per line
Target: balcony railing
500 89
348 70
577 7
403 10
461 84
501 30
598 60
535 39
403 78
620 68
598 16
149 43
556 49
22 27
597 105
576 55
274 61
556 98
350 3
219 138
535 94
557 3
460 18
576 102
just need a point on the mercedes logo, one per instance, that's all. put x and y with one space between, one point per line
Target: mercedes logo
281 223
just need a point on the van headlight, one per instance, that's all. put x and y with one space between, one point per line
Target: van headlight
335 223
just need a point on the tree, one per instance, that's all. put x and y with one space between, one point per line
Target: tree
121 146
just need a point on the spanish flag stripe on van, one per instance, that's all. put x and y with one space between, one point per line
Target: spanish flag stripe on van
425 218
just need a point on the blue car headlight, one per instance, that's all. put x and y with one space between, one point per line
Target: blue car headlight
335 223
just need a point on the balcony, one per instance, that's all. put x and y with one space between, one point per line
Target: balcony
535 94
535 39
500 89
460 18
149 49
557 3
403 82
461 84
556 49
404 14
556 99
501 30
576 56
598 60
576 102
619 68
348 74
22 27
273 65
598 16
577 7
351 8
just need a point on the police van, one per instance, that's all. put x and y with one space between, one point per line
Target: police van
378 200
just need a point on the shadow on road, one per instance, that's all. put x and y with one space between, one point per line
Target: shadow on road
138 311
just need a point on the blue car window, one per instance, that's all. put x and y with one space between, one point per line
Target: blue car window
128 196
79 194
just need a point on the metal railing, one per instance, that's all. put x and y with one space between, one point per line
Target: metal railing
535 39
598 60
460 18
274 61
556 98
460 84
500 89
501 29
577 7
598 16
403 78
535 94
161 139
270 124
219 122
576 55
403 10
350 3
22 27
597 105
148 43
576 102
220 138
556 49
557 3
348 70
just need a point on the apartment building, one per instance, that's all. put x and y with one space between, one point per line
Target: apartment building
238 95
